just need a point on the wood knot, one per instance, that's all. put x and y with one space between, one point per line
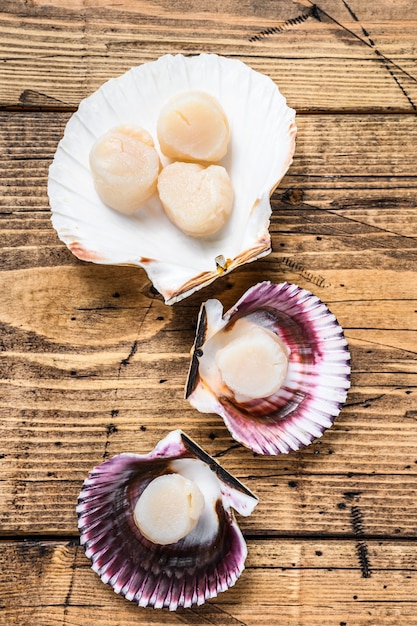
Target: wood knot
293 195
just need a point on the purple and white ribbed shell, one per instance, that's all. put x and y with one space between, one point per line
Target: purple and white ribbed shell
317 378
205 562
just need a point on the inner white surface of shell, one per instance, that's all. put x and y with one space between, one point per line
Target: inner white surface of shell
262 138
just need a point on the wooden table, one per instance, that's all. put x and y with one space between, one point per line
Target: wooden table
93 363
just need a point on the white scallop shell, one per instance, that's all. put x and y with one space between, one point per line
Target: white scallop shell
260 151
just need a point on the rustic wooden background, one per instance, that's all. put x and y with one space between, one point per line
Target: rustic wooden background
93 363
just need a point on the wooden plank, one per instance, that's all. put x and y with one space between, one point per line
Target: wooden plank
92 363
329 55
357 165
291 504
80 381
73 409
66 441
305 582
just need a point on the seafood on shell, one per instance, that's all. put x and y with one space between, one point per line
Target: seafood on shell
275 367
260 150
208 559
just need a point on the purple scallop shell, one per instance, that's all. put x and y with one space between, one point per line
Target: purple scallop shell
182 574
317 380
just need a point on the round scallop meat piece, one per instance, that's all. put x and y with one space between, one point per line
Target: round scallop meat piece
125 167
192 126
196 198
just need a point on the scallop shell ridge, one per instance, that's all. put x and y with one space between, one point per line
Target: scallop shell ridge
260 151
317 380
178 575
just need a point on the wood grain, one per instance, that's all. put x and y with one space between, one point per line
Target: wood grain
357 165
93 363
299 581
323 56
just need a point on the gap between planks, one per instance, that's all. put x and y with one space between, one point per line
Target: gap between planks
73 539
14 108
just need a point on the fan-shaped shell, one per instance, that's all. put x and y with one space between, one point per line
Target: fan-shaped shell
205 562
316 382
260 151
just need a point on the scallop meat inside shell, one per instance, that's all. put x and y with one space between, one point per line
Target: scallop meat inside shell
275 367
259 151
159 527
